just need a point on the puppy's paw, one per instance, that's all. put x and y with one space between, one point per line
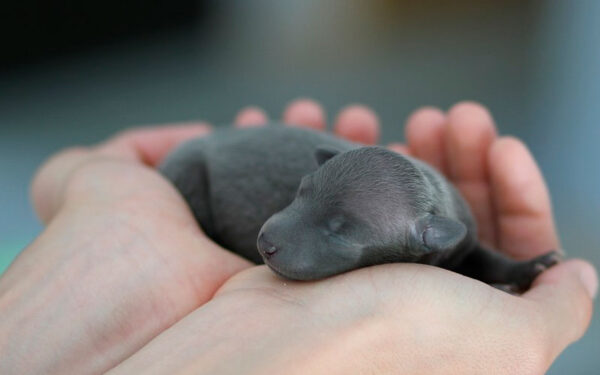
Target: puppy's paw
531 269
508 288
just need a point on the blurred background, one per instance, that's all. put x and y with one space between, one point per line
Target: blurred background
76 72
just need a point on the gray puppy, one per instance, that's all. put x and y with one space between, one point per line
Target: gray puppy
316 206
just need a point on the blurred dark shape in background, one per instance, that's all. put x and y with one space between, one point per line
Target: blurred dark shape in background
77 72
37 29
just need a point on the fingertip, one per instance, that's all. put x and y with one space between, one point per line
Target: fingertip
424 116
467 119
251 116
425 132
507 143
399 148
580 271
358 123
470 133
306 113
469 111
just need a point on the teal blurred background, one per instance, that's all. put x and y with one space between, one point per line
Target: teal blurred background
535 64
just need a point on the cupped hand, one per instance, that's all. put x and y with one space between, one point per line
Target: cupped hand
402 318
121 259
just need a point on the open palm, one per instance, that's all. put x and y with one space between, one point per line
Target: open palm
393 317
134 262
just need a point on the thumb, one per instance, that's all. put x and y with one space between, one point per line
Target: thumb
563 295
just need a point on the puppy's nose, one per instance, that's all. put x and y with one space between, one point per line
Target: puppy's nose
266 247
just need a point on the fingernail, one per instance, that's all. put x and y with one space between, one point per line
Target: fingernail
589 278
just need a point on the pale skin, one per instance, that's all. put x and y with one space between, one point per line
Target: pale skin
123 279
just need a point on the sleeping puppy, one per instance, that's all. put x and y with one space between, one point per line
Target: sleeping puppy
311 205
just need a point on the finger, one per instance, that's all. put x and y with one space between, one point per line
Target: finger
251 116
469 134
306 113
150 145
524 214
358 123
145 145
425 133
562 298
399 148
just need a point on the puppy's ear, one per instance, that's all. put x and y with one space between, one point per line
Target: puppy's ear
438 233
324 153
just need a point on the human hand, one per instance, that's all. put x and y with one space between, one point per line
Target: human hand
403 318
121 259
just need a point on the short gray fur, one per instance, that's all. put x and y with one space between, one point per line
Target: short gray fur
316 206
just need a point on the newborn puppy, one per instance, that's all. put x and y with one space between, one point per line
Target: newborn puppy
316 206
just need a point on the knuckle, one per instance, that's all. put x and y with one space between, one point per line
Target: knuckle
50 171
49 179
66 155
89 172
112 183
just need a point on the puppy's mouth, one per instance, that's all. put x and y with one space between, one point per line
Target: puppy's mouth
278 271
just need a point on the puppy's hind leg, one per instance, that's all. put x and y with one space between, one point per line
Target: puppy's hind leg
187 171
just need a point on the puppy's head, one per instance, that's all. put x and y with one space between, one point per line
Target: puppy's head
361 207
